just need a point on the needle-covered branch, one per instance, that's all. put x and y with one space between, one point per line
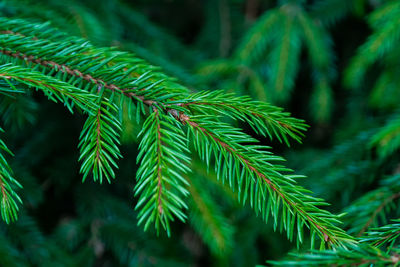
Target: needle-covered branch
99 143
387 139
8 185
265 119
361 255
53 88
257 176
384 236
161 186
252 171
367 211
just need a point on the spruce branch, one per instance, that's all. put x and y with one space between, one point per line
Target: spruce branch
99 141
320 50
264 118
286 126
361 255
272 48
386 235
387 139
369 209
284 59
106 84
388 200
54 89
254 43
8 184
85 62
249 167
329 12
384 39
160 184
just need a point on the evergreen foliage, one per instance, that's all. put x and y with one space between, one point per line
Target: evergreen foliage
193 151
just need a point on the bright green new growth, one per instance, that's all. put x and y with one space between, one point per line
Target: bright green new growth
101 81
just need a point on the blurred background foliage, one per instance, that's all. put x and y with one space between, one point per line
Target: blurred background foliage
334 63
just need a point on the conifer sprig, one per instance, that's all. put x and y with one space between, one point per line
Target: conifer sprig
367 211
9 198
384 39
245 165
161 187
386 235
99 143
361 255
271 49
265 119
54 89
387 139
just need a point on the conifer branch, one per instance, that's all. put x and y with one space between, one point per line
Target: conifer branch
386 235
9 198
74 72
387 139
372 218
365 211
53 88
384 39
254 43
161 186
361 255
99 141
284 59
160 183
247 166
289 126
264 119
